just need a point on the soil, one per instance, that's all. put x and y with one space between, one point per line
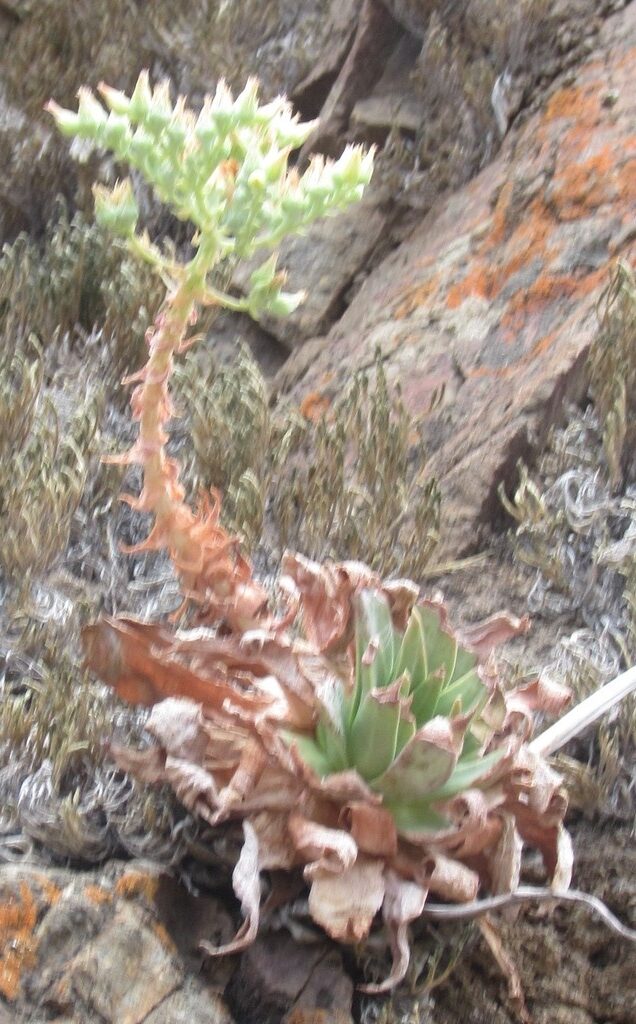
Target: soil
573 970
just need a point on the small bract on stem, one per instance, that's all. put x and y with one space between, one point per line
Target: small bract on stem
226 171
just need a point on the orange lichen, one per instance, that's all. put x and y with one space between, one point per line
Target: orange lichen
500 215
164 936
529 239
585 186
314 406
18 918
626 180
571 102
97 894
50 892
416 296
137 884
479 281
549 288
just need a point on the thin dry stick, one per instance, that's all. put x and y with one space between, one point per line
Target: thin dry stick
468 911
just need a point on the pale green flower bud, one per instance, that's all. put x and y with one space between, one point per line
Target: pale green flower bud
141 98
284 303
274 166
141 145
66 120
292 134
90 113
257 180
353 168
116 209
117 101
264 275
246 103
116 132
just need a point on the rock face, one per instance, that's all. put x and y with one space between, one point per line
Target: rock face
83 948
491 301
119 945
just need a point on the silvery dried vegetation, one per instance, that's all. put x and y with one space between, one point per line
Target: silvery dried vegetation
575 516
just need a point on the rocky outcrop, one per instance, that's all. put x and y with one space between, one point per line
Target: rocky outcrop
489 305
83 948
119 945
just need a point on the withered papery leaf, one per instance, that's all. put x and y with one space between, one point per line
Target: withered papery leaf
483 637
138 660
542 694
452 880
326 593
276 850
505 862
328 850
247 887
562 874
178 725
372 827
403 902
345 905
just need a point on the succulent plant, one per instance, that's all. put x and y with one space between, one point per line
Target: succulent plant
376 751
415 722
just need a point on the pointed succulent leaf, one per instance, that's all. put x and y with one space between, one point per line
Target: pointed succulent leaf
310 753
473 744
426 696
333 746
411 655
464 662
373 735
417 816
469 690
441 647
424 764
407 728
374 633
467 773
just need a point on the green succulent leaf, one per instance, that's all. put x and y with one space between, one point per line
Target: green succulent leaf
407 727
411 655
375 645
464 662
466 774
469 689
311 753
425 698
417 817
441 647
374 731
424 764
333 746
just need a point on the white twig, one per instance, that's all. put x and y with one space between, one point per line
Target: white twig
467 911
588 711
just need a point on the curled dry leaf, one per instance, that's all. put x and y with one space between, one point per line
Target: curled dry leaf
345 905
372 748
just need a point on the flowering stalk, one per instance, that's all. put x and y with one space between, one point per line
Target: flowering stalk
224 170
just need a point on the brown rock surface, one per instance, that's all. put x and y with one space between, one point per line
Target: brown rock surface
493 295
93 947
282 979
